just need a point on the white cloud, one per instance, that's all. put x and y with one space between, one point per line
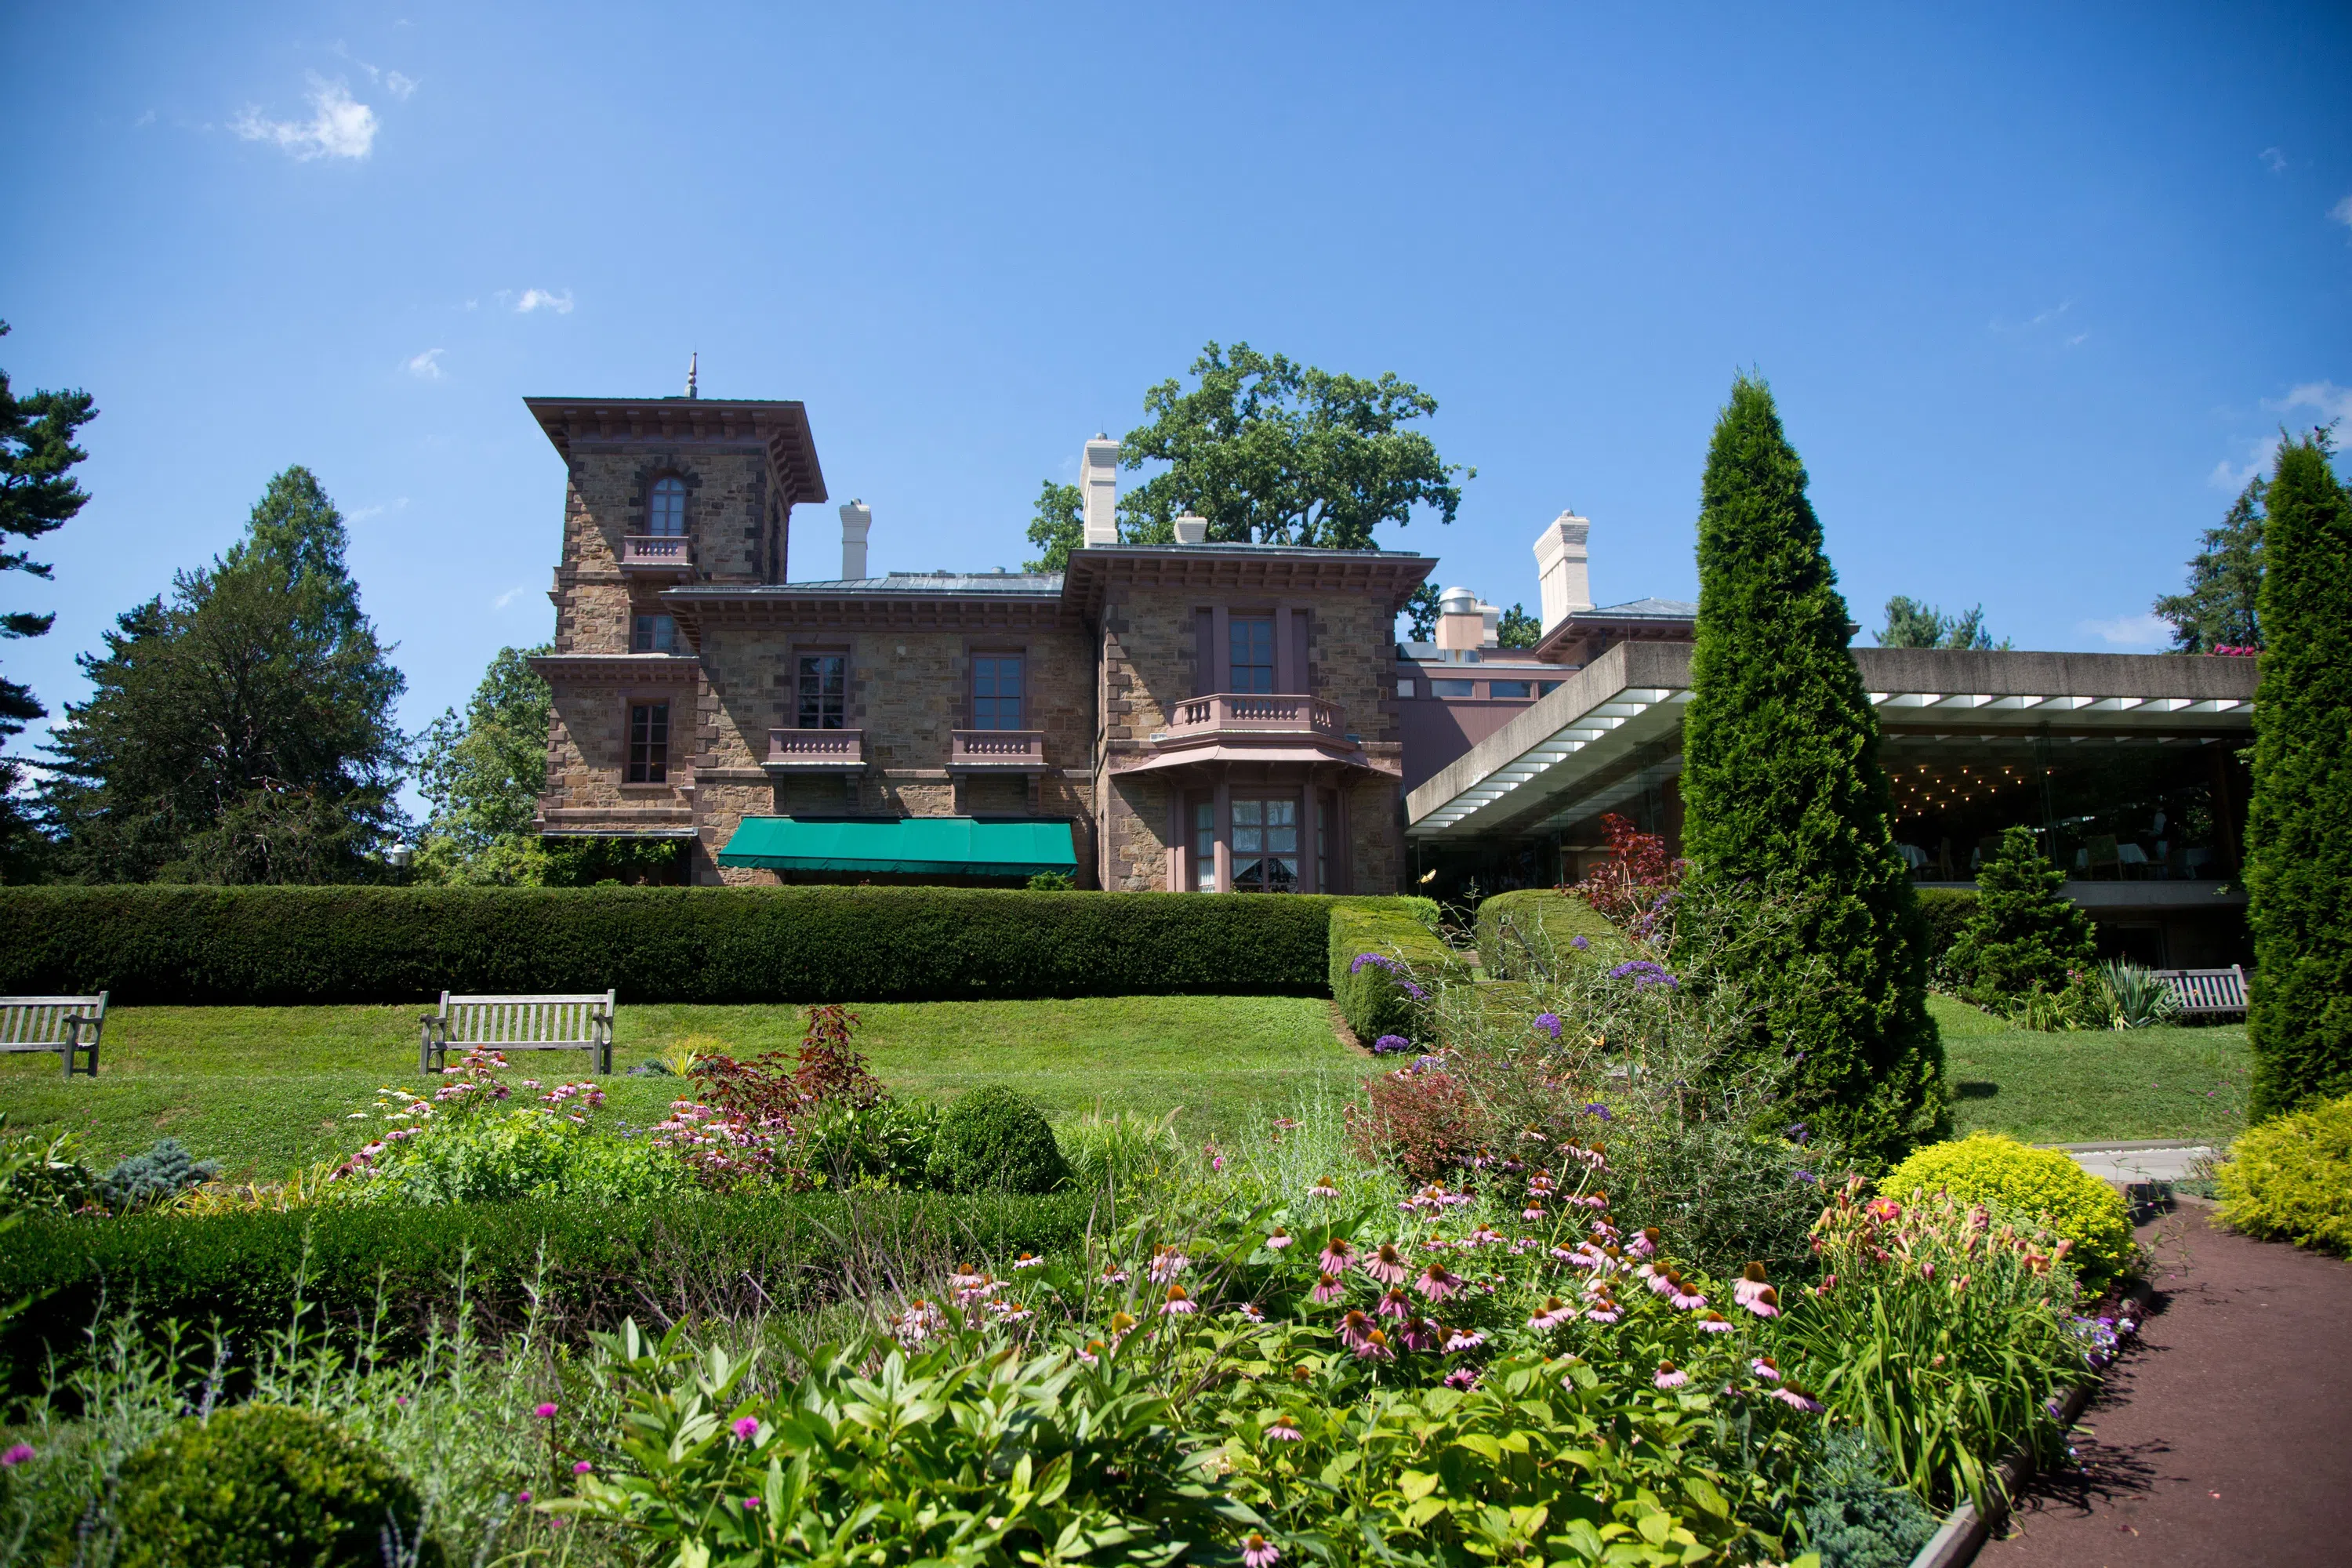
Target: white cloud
2232 477
339 127
541 300
144 122
2052 314
2130 631
2274 160
2342 212
511 595
399 85
2078 340
2333 401
385 509
426 366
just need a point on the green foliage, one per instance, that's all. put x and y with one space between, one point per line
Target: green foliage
1376 995
2043 1184
1271 452
2290 1179
1948 912
2298 852
1519 628
242 731
38 495
657 944
157 1177
1052 882
1058 526
1532 925
1783 791
1421 612
1911 623
265 1486
40 1170
1858 1517
993 1140
483 774
2023 933
884 1143
2222 607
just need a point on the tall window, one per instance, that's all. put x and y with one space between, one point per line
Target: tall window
823 689
996 691
648 742
653 633
1204 846
1253 653
666 508
1265 846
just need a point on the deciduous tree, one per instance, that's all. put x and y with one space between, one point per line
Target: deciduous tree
1784 796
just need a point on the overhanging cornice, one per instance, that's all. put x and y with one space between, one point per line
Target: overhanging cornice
1095 574
781 428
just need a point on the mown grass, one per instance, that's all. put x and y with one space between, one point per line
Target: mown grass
2091 1087
268 1089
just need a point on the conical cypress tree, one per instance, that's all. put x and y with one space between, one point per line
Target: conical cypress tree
1781 788
2298 849
2025 932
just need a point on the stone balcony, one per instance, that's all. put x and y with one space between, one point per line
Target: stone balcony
996 752
815 752
657 556
1228 717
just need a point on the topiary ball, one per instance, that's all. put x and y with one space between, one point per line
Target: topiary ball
993 1140
2037 1184
265 1485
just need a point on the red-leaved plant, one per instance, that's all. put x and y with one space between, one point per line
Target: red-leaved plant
1635 886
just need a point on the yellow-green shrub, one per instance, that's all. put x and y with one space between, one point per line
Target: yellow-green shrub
2290 1179
2042 1184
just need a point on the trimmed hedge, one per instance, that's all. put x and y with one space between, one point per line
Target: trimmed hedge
604 1262
1373 998
294 945
1948 912
1507 921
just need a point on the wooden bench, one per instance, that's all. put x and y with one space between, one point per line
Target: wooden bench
519 1023
70 1025
2207 993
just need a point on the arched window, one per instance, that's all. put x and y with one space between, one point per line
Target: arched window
666 508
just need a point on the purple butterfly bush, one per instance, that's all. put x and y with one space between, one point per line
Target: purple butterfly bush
1645 974
1391 1044
1548 1023
1397 971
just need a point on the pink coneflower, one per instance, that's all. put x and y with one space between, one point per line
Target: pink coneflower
1328 1288
1437 1283
1685 1298
544 1412
1395 1304
1179 1304
1670 1375
1605 1311
1660 1280
1765 1367
1604 1230
1533 1210
1325 1188
1166 1264
1336 1256
1645 1243
1122 1325
1464 1377
1376 1347
1279 1239
1353 1327
1247 1311
1028 1260
1750 1281
1093 1352
1766 1303
1714 1323
1485 1235
1113 1277
1789 1394
1420 1334
1460 1339
1257 1551
1553 1314
1386 1263
1283 1429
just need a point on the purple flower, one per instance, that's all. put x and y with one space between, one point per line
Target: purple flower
745 1427
1670 1375
583 1467
749 1503
1391 1044
522 1497
17 1455
1644 974
1597 1109
1579 943
1257 1551
544 1412
1548 1023
1380 959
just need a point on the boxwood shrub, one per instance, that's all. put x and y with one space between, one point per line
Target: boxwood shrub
294 945
1508 923
1373 996
699 1256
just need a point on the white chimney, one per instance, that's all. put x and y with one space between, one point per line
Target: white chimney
1098 483
1490 624
1191 530
856 518
1563 568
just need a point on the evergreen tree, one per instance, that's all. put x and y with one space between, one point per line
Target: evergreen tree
242 729
2024 934
2299 847
2222 607
1911 623
1783 795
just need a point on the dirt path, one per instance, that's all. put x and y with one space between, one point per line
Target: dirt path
2226 1437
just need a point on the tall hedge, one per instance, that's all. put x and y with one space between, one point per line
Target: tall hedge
282 945
1782 786
2299 826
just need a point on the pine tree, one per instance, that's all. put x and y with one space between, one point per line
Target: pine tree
2298 849
1782 792
2222 607
2025 933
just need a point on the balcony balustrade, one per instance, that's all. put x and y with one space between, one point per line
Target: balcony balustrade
657 555
815 751
1245 718
996 751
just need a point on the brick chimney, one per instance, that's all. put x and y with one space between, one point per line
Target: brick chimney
856 518
1098 483
1563 568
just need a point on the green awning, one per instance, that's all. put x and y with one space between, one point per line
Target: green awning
936 845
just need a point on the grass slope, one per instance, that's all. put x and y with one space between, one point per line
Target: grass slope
2091 1087
267 1089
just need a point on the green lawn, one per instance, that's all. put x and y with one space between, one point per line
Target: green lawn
2091 1087
266 1090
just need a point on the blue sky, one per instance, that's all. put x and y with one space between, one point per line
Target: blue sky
2032 287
